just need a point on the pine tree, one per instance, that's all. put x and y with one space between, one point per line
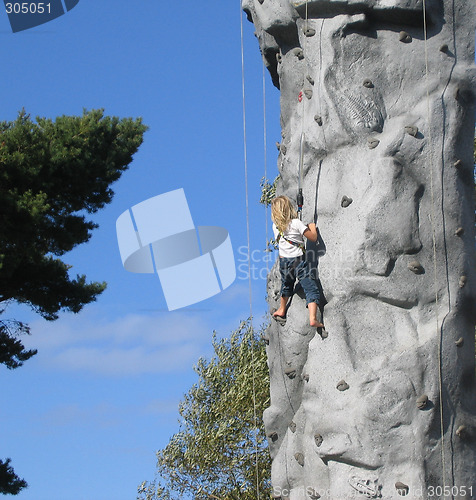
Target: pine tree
52 175
10 483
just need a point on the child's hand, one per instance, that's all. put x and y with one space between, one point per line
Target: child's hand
311 232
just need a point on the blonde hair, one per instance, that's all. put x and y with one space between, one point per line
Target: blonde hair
282 212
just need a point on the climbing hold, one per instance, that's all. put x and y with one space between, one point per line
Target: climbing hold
405 37
309 31
318 120
305 377
462 281
342 385
411 130
422 402
458 164
444 48
464 95
292 426
299 459
308 93
345 202
373 143
313 494
273 436
368 83
279 57
310 79
298 52
459 231
461 431
318 439
280 319
416 267
290 372
459 342
402 488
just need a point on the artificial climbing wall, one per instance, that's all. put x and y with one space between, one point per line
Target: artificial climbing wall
379 97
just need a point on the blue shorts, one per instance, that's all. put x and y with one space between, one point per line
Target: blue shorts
297 267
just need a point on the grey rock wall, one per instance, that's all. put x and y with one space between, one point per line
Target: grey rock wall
387 125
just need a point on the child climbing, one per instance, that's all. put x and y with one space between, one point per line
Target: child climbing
289 232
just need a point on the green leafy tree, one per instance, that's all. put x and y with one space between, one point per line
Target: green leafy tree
52 175
268 192
220 449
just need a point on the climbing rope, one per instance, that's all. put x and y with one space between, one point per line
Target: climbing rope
300 198
248 239
319 86
265 153
439 330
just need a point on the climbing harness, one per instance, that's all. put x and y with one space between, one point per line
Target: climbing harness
291 242
250 296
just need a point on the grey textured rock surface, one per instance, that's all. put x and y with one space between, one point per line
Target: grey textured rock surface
385 123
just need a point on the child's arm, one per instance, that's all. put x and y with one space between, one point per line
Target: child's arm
311 232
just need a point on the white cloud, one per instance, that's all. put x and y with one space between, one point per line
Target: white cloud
133 344
239 291
105 414
130 360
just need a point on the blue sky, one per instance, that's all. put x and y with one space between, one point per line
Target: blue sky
82 420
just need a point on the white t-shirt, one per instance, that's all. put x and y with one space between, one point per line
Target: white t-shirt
294 232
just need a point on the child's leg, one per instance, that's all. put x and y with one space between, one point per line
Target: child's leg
282 307
312 292
313 321
288 276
